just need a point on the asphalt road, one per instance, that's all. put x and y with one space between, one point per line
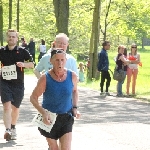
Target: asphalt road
107 123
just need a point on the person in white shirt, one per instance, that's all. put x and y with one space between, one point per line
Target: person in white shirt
42 49
61 41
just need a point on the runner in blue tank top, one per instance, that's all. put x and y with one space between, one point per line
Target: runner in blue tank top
60 96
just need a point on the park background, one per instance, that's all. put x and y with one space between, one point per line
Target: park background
87 23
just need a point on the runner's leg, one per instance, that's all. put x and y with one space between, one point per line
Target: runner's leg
52 144
14 115
7 114
65 141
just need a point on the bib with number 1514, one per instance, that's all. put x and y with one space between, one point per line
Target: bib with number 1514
9 72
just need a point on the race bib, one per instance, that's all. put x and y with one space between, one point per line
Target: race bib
9 72
38 121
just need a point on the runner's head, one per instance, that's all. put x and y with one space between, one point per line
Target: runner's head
12 37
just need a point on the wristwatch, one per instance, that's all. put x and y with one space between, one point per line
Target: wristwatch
75 107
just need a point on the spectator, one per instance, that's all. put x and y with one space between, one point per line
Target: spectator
103 67
132 70
81 72
121 64
31 47
23 43
42 49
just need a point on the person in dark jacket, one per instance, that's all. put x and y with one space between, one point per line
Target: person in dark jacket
23 43
31 47
103 67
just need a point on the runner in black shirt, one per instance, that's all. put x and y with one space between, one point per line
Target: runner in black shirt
13 61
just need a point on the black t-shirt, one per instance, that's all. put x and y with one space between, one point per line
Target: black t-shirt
120 63
11 57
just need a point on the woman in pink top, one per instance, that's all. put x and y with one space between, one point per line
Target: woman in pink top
132 70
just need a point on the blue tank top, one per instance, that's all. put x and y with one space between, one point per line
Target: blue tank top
57 97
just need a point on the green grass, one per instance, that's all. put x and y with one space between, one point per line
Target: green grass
30 71
143 79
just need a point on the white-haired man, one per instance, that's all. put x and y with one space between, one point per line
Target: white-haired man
61 42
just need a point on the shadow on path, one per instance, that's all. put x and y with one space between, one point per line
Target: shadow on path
95 109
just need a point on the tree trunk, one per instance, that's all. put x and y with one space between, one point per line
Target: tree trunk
17 21
1 23
91 50
10 14
61 9
18 15
94 41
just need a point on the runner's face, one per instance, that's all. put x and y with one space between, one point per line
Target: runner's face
61 43
12 38
59 61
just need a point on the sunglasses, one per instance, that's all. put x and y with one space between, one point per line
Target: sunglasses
134 47
55 51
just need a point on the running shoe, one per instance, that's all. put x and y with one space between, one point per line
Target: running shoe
7 135
13 134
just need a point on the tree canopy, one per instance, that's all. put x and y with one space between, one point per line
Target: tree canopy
125 19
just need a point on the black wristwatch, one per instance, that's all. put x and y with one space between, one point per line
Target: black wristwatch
75 107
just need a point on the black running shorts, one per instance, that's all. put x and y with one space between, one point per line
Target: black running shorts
63 125
12 92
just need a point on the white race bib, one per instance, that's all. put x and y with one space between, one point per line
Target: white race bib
9 72
38 121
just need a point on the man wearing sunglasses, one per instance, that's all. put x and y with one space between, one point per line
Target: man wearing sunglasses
60 97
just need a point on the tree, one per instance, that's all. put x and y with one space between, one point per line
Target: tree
10 14
37 19
17 18
104 32
1 22
61 9
94 41
18 15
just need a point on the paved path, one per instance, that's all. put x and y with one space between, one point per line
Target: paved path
108 123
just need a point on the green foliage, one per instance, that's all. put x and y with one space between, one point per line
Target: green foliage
37 20
80 28
127 18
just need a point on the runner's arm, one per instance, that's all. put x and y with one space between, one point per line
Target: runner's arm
37 73
25 64
75 94
37 92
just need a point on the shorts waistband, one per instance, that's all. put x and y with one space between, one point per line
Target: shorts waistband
66 113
